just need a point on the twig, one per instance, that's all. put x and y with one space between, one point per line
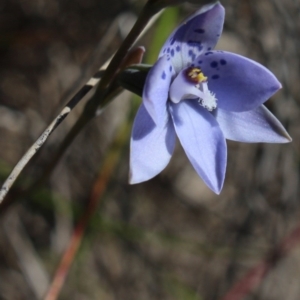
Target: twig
101 95
44 136
134 57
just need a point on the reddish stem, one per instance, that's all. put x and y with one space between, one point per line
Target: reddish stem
256 275
98 190
77 236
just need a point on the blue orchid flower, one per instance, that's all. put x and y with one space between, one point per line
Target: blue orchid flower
203 96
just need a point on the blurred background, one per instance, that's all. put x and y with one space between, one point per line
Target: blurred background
171 237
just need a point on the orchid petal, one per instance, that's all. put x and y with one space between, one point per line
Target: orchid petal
156 90
202 140
240 84
151 147
198 34
254 126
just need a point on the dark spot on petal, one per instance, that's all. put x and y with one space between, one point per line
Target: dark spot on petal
168 50
164 50
200 62
163 75
209 48
178 48
172 52
215 76
192 42
213 64
208 53
192 54
170 68
223 62
199 30
196 44
172 40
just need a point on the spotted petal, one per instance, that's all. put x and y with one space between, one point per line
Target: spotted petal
254 126
240 84
156 90
202 140
151 147
196 35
